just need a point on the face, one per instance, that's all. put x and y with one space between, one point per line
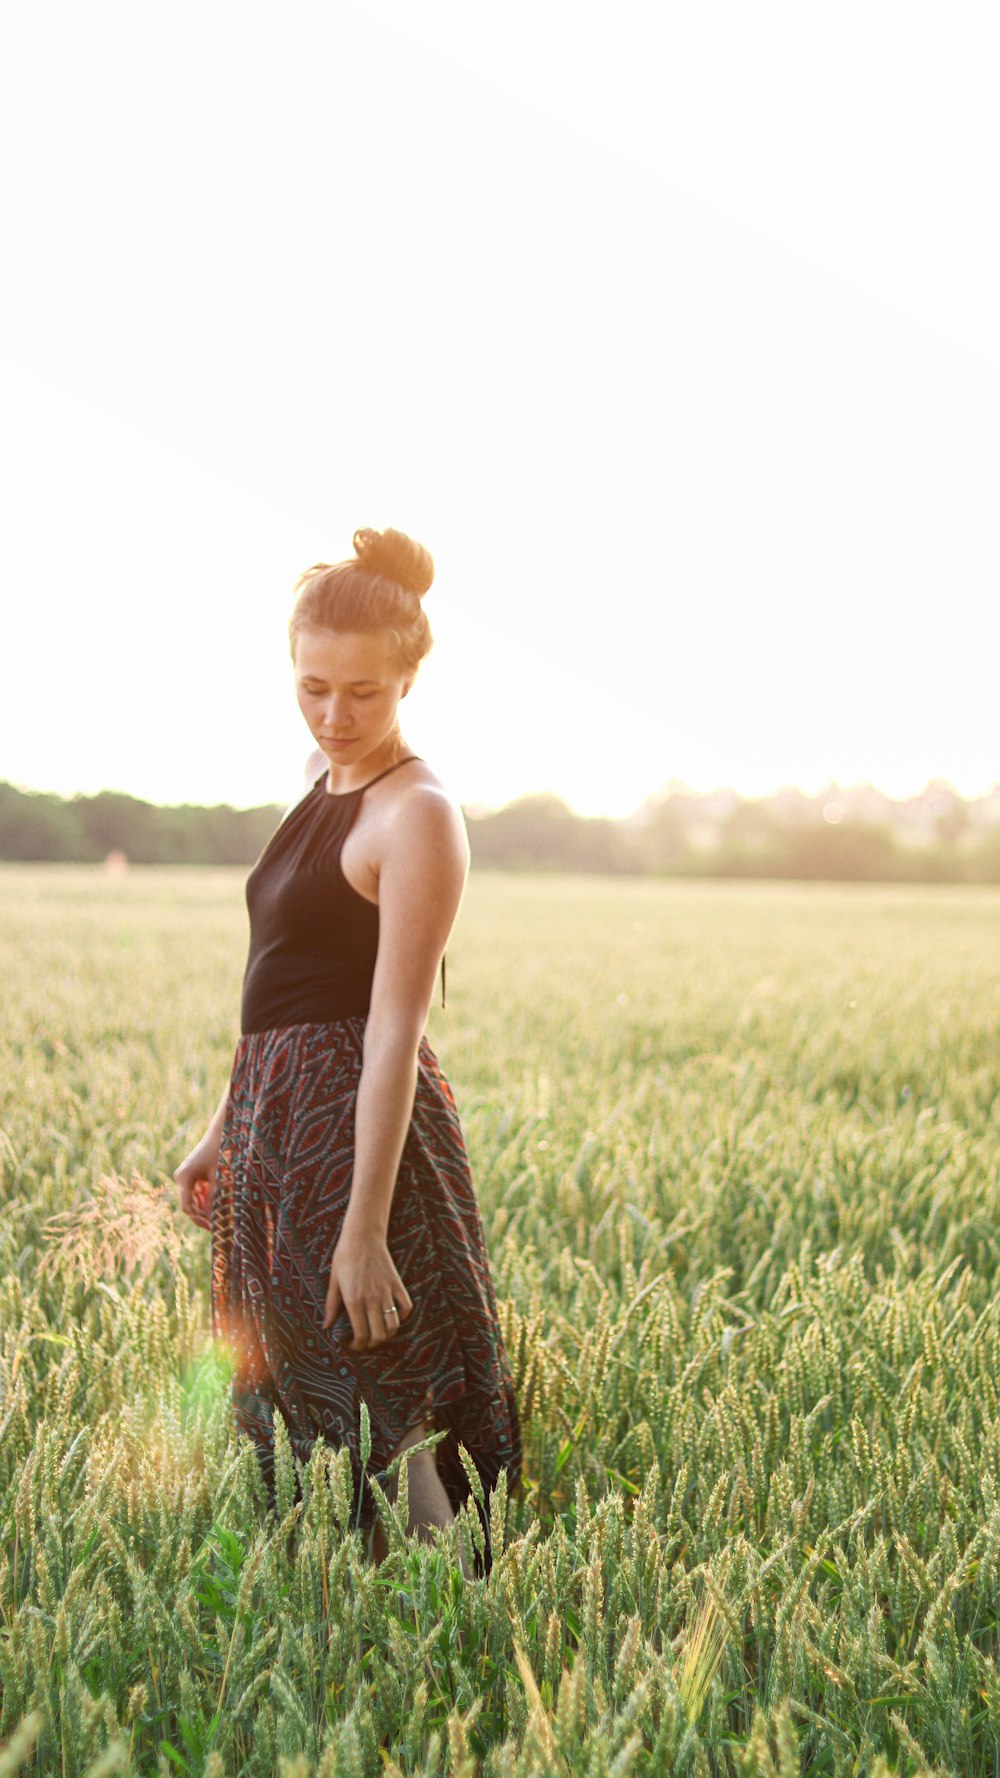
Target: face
349 686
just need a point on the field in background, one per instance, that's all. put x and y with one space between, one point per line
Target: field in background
736 1148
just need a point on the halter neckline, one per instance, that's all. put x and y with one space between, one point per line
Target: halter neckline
336 796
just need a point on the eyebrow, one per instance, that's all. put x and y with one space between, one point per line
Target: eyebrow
321 681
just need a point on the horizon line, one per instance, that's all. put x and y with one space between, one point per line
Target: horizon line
478 810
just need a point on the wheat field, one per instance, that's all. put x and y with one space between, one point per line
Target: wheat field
736 1148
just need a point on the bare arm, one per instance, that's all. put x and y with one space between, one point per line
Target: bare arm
196 1173
420 888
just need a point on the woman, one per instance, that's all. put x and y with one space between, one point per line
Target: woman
348 1256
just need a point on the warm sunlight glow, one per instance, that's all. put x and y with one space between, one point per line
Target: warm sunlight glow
710 492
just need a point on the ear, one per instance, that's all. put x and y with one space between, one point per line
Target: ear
406 688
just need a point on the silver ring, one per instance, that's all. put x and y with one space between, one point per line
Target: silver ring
391 1309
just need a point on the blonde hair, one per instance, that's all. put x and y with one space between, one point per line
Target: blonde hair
380 588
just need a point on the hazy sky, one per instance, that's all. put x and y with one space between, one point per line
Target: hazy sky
674 332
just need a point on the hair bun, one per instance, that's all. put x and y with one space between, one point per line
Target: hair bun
396 557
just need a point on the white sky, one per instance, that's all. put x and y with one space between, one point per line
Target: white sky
674 332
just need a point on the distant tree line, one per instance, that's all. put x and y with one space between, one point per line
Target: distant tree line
541 833
85 829
721 835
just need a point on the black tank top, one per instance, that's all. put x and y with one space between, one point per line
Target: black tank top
313 939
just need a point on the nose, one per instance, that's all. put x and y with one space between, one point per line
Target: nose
335 716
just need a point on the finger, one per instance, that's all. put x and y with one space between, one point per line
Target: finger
374 1326
193 1188
402 1299
332 1309
401 1303
388 1319
359 1326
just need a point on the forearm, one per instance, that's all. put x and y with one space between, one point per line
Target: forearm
383 1107
220 1111
213 1134
200 1166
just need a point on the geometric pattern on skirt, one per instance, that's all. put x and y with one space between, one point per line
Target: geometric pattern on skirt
281 1189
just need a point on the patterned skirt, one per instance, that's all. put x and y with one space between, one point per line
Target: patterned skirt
282 1186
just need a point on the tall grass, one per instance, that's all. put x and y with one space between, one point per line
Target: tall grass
737 1152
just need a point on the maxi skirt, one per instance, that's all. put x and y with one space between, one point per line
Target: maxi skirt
282 1185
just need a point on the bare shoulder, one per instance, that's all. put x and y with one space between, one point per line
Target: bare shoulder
421 810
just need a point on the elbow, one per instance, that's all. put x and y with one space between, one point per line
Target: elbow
396 1031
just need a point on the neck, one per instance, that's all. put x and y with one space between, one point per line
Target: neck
340 779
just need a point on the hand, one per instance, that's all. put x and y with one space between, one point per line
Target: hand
363 1279
196 1178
